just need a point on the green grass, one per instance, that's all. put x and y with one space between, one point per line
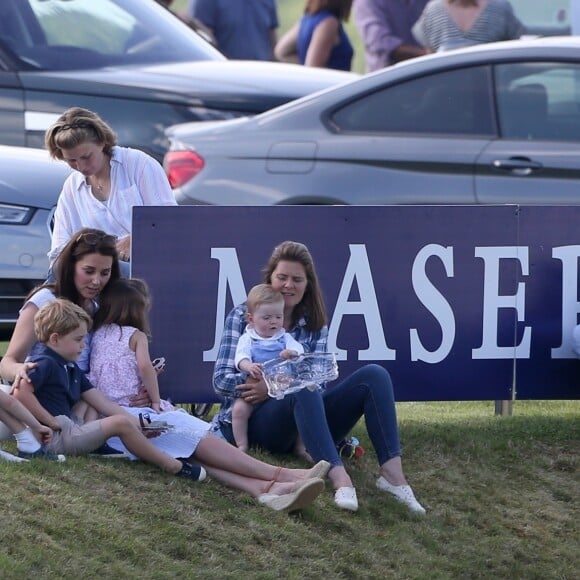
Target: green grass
502 497
289 12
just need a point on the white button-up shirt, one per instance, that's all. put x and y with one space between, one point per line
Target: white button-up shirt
136 180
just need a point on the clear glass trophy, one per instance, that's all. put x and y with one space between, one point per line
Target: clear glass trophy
304 371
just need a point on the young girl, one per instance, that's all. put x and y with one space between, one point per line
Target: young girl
120 362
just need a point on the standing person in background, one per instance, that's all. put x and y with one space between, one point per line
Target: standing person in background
191 22
385 27
107 183
319 38
454 23
241 29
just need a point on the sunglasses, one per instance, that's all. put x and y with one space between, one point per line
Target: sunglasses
92 239
75 125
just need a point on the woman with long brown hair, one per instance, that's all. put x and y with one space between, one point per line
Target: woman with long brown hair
85 267
323 417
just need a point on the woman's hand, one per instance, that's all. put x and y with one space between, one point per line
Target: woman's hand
124 248
141 399
254 391
22 375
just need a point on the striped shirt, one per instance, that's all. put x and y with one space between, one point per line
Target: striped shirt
436 28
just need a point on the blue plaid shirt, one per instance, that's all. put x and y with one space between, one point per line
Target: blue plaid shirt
227 377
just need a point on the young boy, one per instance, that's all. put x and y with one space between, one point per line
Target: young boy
57 384
31 437
264 339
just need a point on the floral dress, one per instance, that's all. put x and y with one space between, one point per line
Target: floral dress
115 373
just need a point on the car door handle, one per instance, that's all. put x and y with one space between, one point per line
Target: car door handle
521 166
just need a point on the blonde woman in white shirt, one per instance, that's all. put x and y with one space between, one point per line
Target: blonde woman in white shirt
107 183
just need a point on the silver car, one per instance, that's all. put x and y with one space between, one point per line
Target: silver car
29 186
494 123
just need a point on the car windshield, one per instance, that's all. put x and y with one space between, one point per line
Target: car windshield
86 34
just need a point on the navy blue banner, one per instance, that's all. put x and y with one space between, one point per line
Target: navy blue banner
457 302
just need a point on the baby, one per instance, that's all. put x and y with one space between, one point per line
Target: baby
264 339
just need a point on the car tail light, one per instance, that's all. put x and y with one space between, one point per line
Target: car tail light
181 166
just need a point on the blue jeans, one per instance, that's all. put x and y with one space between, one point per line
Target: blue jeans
324 419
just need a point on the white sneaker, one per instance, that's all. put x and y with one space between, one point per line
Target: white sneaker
12 458
345 498
403 493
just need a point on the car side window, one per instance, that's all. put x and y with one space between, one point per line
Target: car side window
455 102
539 101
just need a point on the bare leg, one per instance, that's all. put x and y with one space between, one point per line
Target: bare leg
300 451
241 412
213 452
392 471
137 443
6 434
255 487
11 422
85 412
26 439
339 477
91 415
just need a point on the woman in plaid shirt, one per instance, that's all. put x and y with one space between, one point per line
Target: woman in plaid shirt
323 417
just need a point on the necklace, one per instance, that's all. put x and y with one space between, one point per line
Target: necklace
98 185
101 184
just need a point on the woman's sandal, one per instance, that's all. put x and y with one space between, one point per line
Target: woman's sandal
273 481
303 495
320 470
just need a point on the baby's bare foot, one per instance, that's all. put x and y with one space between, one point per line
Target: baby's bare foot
300 451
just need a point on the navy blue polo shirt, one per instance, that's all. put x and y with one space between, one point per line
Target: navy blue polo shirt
58 383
